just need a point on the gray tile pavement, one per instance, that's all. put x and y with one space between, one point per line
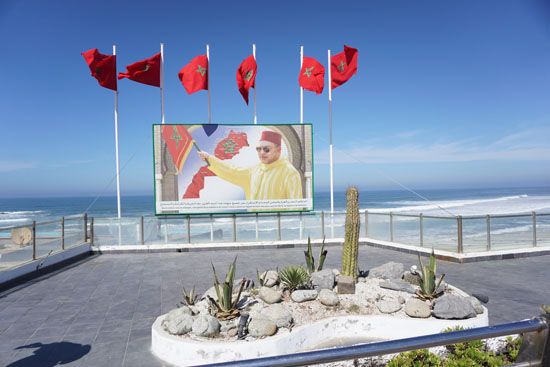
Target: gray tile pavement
98 312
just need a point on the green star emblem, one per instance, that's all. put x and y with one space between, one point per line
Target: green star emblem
176 137
342 67
249 75
308 72
229 147
201 70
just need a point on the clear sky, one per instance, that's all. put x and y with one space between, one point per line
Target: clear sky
448 94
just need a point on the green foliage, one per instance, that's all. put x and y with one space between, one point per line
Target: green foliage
428 285
511 350
310 261
350 249
190 298
545 308
415 358
226 303
294 277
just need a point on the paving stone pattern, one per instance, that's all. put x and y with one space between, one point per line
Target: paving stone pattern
99 311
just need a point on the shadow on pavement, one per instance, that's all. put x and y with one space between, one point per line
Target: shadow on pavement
52 354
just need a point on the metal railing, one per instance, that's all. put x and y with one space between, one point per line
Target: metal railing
535 350
36 240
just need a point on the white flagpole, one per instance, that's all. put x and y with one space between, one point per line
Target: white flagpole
301 89
162 83
116 149
254 55
208 83
330 134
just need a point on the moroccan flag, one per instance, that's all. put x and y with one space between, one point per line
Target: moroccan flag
312 75
246 76
194 76
103 67
179 143
226 148
145 71
343 66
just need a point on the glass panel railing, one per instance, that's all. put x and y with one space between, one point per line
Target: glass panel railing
543 230
440 233
511 232
379 226
474 235
406 230
15 246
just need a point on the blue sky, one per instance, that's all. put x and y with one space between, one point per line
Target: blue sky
447 95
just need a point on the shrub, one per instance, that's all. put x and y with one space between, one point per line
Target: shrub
294 277
415 358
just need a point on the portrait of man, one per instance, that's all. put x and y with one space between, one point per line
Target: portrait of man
272 178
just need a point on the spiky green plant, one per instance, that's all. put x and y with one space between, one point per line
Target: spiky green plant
226 304
350 250
310 261
428 285
294 277
190 298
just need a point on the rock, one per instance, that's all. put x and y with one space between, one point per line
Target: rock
232 332
481 297
401 299
270 277
323 279
328 298
336 272
450 306
414 269
206 325
391 270
269 295
388 306
201 307
476 304
179 324
397 285
278 314
227 325
361 280
417 308
411 278
259 327
304 295
346 285
177 312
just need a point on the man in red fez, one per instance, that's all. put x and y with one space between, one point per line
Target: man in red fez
273 178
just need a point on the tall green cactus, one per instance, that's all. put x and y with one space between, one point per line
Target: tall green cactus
351 240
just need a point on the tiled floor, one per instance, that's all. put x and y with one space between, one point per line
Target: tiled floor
98 312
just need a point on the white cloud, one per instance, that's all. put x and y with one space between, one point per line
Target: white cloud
9 166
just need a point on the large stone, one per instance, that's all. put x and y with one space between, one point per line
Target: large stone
481 297
412 278
269 295
397 285
303 295
259 327
323 279
391 270
270 277
328 298
179 321
206 325
476 304
278 314
388 306
346 284
417 308
450 306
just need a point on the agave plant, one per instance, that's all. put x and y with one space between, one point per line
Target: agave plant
226 304
294 277
310 261
190 298
428 285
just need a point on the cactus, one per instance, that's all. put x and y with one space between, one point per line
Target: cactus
190 298
226 304
310 261
351 240
428 286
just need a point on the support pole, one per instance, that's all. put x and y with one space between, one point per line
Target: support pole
208 86
488 221
92 231
85 227
534 215
116 150
211 228
460 245
162 83
234 228
34 240
188 229
141 231
63 233
255 114
330 136
391 227
421 220
301 89
257 228
278 226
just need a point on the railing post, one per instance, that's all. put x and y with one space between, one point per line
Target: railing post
488 232
391 227
188 229
278 226
421 224
92 231
211 228
460 247
534 214
234 228
322 224
257 228
141 231
366 223
34 240
63 233
301 226
85 227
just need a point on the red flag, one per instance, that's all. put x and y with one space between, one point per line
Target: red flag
179 143
194 76
312 75
145 71
227 148
246 76
343 66
103 67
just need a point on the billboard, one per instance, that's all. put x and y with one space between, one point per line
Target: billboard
208 168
